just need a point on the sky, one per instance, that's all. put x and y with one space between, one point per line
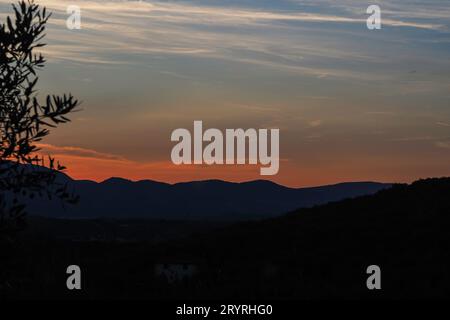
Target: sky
352 104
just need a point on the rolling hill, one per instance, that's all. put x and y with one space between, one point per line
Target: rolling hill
211 200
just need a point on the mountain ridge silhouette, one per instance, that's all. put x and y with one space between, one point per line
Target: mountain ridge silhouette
211 199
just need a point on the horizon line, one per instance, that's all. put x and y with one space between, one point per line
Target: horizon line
233 182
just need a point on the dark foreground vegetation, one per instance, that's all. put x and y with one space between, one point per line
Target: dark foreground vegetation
321 252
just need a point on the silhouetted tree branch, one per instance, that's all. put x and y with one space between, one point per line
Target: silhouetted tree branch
24 120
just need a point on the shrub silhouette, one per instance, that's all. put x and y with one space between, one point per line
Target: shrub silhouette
24 120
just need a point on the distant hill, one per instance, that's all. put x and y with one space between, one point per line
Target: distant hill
212 199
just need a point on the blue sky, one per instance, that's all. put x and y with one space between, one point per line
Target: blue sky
351 103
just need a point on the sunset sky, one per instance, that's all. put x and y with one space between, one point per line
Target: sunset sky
351 104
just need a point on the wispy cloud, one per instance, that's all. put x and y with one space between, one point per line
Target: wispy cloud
442 144
78 152
115 32
315 123
414 139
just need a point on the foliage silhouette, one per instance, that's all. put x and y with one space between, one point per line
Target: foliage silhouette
24 120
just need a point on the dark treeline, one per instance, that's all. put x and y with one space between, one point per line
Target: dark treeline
320 252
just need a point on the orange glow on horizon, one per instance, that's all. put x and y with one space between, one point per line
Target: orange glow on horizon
90 168
82 168
88 164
